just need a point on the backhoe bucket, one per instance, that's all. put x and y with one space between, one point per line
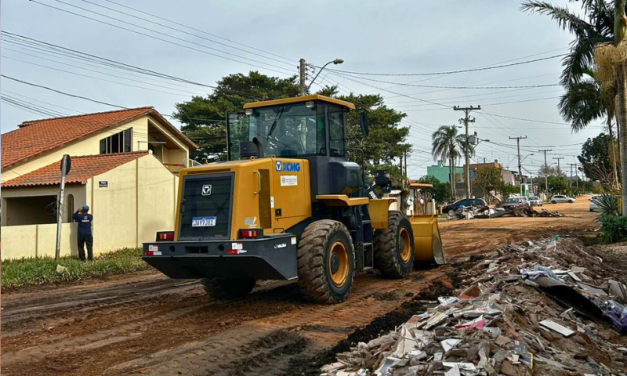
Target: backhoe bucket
427 240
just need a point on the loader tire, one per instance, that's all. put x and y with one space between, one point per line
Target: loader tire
326 262
393 256
227 288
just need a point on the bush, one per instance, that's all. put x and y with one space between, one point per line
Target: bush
43 271
608 204
614 228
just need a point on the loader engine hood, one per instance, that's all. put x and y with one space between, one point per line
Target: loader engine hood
219 200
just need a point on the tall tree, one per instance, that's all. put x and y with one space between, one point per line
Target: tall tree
620 30
585 99
447 144
204 121
440 192
386 140
488 178
596 161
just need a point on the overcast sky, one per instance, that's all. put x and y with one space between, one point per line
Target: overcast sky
371 36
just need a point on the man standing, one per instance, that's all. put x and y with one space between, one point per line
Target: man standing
84 220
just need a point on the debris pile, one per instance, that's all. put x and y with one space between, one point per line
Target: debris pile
548 308
485 212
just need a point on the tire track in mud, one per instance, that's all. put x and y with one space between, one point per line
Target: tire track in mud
211 329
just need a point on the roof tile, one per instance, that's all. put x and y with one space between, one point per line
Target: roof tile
39 136
83 168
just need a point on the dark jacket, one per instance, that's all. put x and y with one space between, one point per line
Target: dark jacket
84 223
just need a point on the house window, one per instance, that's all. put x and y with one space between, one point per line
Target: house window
70 207
118 143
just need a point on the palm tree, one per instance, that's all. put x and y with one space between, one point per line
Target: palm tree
586 101
620 31
448 145
595 25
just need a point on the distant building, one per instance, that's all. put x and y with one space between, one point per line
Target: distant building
509 177
442 173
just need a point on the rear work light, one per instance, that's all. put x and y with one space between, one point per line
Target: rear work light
251 233
163 236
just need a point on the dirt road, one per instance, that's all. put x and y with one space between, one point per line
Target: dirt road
147 324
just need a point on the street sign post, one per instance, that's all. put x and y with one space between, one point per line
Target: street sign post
66 166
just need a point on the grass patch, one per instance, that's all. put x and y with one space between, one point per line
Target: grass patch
28 272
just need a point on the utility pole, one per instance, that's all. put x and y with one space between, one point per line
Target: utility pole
467 119
405 163
546 173
571 173
302 72
558 164
519 162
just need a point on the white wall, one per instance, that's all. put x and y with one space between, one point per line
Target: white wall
38 241
139 201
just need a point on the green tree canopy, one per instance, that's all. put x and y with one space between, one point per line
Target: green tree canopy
204 121
204 118
440 192
596 161
488 178
557 185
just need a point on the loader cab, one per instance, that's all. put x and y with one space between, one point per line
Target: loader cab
301 127
311 127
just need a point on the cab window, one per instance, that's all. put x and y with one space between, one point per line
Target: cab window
336 131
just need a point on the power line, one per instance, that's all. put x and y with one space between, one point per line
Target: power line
450 72
154 37
28 106
449 87
493 104
61 92
488 83
199 30
37 100
170 36
68 52
393 92
151 82
97 101
185 32
98 78
523 119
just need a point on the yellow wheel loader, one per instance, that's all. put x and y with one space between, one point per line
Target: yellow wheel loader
287 204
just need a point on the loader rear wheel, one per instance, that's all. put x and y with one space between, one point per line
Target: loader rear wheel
394 247
227 288
326 262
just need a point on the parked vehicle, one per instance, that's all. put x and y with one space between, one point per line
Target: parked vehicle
594 206
515 202
535 201
451 208
561 198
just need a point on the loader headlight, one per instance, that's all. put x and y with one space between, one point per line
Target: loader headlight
249 111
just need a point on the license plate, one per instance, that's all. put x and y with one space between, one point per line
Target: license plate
203 221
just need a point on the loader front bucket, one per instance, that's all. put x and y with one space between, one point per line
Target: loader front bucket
427 240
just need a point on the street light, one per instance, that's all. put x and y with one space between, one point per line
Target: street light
336 61
528 155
